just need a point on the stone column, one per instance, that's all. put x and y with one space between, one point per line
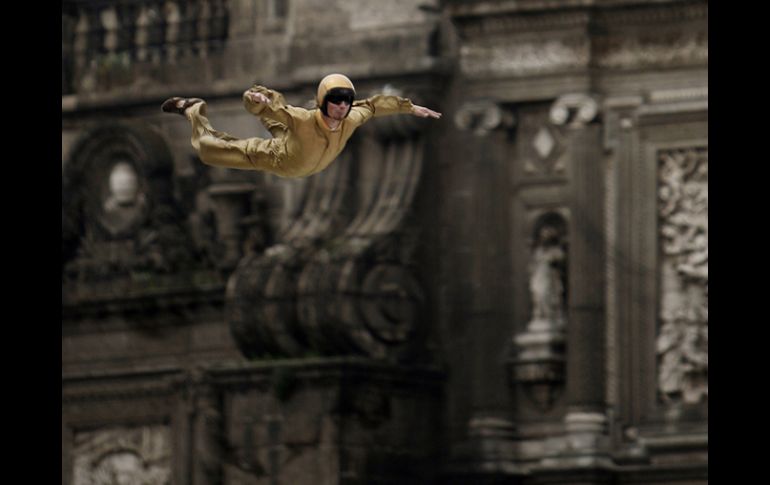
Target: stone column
206 455
486 126
585 442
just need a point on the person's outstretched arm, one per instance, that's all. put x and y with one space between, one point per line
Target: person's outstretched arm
424 112
264 102
385 105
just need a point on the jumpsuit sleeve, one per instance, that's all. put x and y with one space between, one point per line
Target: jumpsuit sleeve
276 110
379 105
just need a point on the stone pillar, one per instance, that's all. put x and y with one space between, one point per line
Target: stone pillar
207 455
486 126
585 442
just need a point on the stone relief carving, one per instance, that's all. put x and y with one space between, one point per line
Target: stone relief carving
545 155
636 39
123 456
661 50
120 217
474 26
524 58
682 342
542 151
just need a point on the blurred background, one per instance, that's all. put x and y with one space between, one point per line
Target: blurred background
516 293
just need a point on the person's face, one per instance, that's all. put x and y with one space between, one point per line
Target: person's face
337 109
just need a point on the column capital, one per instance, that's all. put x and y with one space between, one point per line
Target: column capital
574 109
482 116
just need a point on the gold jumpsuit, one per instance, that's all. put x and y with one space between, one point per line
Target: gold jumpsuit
302 143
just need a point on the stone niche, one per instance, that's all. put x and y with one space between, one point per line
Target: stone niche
124 230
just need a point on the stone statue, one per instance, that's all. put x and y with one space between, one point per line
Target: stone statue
125 207
546 283
539 363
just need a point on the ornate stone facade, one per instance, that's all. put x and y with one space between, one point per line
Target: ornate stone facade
515 293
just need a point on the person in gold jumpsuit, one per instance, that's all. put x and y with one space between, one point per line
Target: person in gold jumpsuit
304 141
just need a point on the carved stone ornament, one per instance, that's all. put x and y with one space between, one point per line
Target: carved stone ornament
119 214
543 153
519 57
680 49
483 116
540 350
574 110
123 455
682 342
338 281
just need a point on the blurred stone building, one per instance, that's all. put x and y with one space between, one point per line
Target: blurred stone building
516 293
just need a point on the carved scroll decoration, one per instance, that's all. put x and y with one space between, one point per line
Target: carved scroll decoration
682 342
483 116
364 276
575 109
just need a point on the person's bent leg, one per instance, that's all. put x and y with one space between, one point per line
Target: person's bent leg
220 149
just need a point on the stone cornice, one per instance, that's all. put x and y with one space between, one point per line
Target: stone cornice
509 23
652 13
516 44
164 381
119 385
468 9
77 305
312 369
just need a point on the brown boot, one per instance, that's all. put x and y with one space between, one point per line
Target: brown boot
172 105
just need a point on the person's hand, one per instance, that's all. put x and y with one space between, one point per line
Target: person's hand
424 112
258 97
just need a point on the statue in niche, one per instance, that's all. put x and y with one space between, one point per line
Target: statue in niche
540 350
125 207
121 217
548 274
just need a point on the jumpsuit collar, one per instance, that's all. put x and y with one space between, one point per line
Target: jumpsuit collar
320 120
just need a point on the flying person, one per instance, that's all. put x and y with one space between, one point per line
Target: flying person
305 141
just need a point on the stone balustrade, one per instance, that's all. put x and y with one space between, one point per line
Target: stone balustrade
104 40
